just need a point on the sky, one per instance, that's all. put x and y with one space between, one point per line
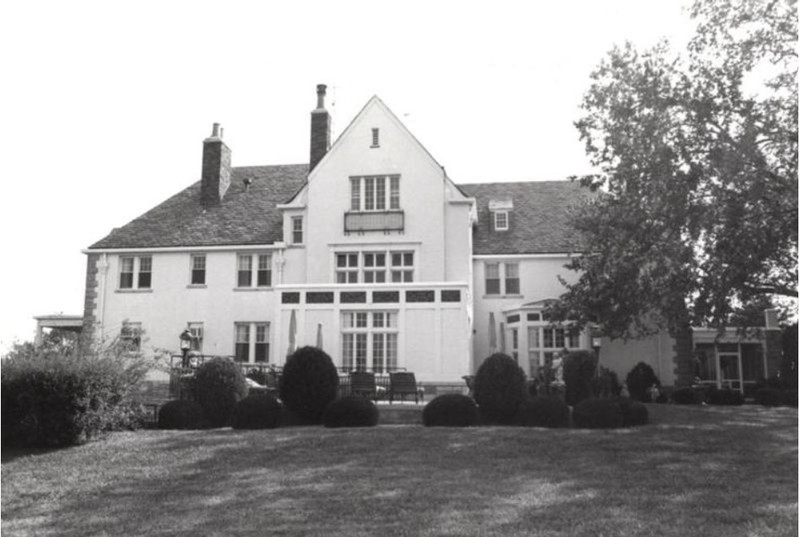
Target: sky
104 105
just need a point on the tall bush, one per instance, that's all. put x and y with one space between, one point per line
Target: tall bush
309 383
639 380
218 386
579 372
500 387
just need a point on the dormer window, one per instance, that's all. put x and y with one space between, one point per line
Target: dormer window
501 221
375 138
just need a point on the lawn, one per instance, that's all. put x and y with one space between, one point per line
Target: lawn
695 471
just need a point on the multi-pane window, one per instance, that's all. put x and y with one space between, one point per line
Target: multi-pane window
252 342
297 230
254 270
515 344
196 329
369 340
347 268
505 273
546 342
501 220
374 267
135 272
199 269
375 137
131 335
402 267
375 193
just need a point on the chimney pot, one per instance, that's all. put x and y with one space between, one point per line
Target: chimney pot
215 131
321 89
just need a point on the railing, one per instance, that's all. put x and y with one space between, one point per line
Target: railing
374 221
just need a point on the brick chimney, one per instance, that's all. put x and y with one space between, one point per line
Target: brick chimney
216 177
320 129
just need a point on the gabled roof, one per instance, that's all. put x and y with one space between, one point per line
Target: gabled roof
539 223
247 215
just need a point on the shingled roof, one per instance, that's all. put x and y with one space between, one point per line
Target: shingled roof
539 223
247 215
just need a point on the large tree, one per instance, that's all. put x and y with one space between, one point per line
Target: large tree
697 160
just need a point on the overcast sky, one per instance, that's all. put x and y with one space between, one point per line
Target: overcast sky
105 104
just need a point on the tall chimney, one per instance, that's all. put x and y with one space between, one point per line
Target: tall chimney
216 176
320 129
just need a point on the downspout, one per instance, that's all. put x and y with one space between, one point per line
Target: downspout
102 276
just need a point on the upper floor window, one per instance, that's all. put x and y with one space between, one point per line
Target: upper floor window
375 267
198 269
252 342
501 220
376 133
297 230
375 193
135 272
254 270
502 273
347 268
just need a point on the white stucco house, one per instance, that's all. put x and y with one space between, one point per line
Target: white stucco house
370 247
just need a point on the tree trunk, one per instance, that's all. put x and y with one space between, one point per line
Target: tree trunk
681 330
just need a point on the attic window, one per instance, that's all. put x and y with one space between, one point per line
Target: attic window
375 138
501 220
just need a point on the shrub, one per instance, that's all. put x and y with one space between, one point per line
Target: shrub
257 411
218 386
59 397
127 416
597 414
688 396
724 397
769 397
181 414
500 387
257 375
606 384
351 411
309 383
450 410
790 398
543 411
639 381
634 413
579 371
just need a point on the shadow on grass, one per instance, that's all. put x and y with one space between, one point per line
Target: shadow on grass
706 471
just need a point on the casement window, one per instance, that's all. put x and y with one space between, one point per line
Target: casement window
501 220
251 342
198 269
297 230
369 340
506 274
131 335
196 329
545 343
135 272
254 270
375 267
375 193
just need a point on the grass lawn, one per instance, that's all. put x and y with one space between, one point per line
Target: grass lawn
703 471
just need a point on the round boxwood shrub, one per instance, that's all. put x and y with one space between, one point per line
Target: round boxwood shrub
634 413
543 411
450 410
218 386
579 372
500 387
181 414
309 383
639 381
724 397
597 414
257 411
769 397
688 396
351 411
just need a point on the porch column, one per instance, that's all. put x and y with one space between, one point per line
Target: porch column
719 369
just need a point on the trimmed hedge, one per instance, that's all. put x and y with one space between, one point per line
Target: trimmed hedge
543 411
639 381
351 411
634 413
688 396
500 387
597 414
724 397
218 386
257 411
450 410
579 373
309 383
181 414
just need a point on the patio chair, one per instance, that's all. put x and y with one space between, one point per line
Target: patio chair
403 383
363 383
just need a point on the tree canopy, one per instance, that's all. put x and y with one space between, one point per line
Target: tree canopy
696 153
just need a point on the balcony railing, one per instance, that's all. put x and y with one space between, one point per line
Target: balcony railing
358 222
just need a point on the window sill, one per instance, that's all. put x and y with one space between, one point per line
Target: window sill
297 245
503 296
251 289
148 290
196 286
